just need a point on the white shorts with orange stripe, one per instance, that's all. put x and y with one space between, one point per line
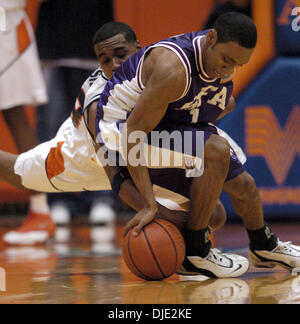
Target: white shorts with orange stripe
21 78
67 163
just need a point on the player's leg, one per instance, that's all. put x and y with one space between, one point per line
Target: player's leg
7 174
39 214
205 192
218 218
173 185
246 200
20 128
265 248
27 171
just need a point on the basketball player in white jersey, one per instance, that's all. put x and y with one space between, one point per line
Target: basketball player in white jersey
22 84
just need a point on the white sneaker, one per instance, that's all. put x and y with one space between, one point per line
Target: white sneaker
102 214
214 265
60 214
35 229
30 238
284 255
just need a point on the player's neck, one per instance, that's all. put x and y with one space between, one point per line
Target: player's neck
204 46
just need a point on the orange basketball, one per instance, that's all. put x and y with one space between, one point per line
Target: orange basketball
156 253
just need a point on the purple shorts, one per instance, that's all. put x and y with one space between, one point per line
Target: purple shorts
175 179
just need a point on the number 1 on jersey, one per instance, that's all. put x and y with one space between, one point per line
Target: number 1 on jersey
195 113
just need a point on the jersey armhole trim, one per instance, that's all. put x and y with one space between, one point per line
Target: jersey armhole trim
183 58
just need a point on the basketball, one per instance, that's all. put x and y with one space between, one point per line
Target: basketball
156 253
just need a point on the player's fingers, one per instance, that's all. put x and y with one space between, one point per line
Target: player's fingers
133 222
139 227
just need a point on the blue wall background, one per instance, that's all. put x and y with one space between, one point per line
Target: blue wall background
277 91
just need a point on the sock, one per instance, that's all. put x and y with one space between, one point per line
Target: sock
38 204
197 242
262 239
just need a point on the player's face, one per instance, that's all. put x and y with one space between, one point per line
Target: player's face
113 51
222 59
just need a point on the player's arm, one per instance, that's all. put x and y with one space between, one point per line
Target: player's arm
229 108
123 186
164 78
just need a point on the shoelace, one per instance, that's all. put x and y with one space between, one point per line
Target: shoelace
215 254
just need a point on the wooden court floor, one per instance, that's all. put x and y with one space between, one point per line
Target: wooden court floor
75 270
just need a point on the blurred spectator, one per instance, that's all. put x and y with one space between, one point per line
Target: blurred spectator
242 6
64 35
22 84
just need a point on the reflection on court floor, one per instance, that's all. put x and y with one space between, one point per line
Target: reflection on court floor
76 269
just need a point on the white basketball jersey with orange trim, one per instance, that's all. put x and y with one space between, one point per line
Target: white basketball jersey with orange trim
12 4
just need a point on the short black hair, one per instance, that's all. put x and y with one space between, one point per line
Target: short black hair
112 29
236 27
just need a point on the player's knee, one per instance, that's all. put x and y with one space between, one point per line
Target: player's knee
217 152
247 185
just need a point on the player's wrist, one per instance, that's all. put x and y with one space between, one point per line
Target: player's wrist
151 206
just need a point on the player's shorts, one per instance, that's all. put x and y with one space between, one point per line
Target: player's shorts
21 78
237 156
67 163
175 145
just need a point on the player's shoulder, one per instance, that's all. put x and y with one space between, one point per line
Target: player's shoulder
98 74
96 84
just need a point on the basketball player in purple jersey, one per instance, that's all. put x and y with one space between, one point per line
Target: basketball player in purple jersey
68 163
182 84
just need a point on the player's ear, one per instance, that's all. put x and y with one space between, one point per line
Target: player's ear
212 37
138 45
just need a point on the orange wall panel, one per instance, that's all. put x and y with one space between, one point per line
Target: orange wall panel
155 20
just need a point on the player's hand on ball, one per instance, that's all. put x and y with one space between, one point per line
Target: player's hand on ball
141 219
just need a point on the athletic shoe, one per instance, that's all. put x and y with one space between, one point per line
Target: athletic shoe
102 214
35 229
284 255
214 265
60 214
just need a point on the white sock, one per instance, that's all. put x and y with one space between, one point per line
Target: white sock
38 204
